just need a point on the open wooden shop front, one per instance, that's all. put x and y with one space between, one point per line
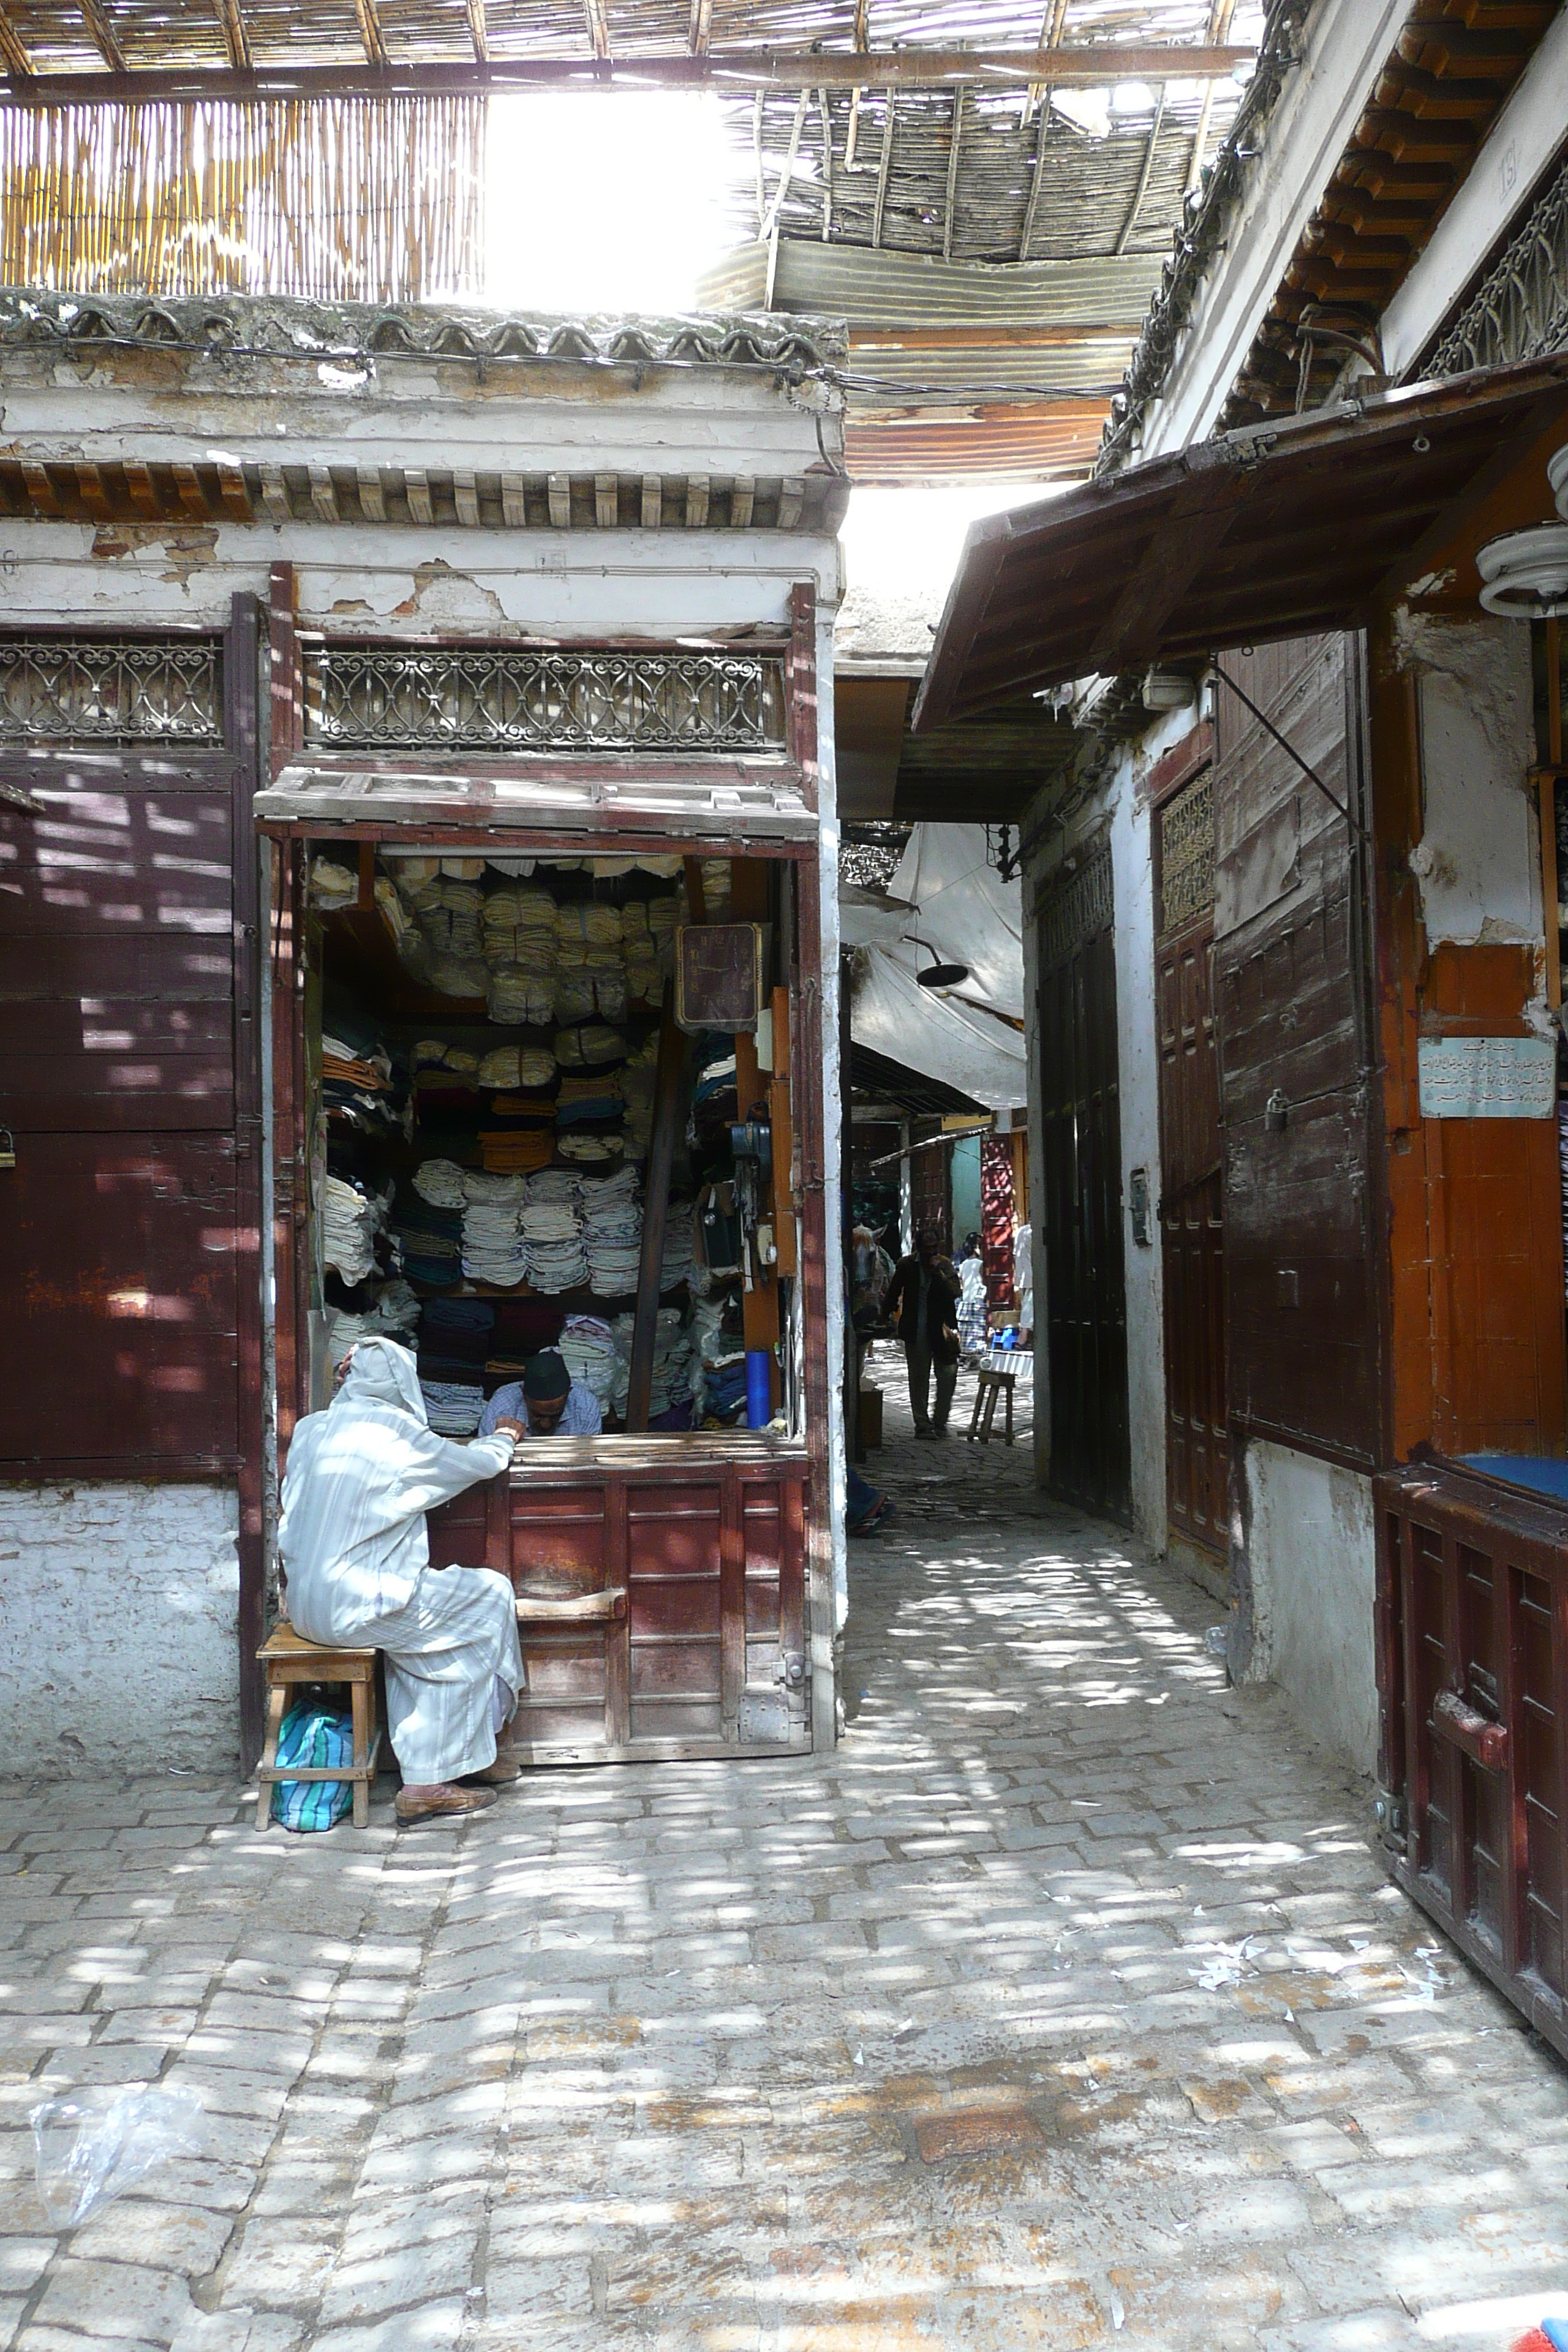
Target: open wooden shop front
547 1074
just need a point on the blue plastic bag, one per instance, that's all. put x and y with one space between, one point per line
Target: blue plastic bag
313 1736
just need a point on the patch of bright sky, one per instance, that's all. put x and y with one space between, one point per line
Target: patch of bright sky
610 200
903 545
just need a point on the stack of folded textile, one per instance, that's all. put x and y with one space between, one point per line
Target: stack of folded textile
523 1326
455 1339
719 1339
518 927
590 1151
464 976
671 1383
358 1085
351 1217
589 1047
452 1408
450 914
429 1239
644 981
664 916
512 866
333 885
716 889
591 1101
440 1181
388 1312
676 1267
551 1230
611 1234
492 1248
587 1347
517 998
592 971
434 1054
637 1077
502 1067
516 1151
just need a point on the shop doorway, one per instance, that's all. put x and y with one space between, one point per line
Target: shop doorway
1086 1302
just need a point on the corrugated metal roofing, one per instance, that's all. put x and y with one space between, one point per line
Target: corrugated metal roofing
898 289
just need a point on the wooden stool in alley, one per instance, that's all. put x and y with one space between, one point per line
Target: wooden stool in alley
991 1385
289 1659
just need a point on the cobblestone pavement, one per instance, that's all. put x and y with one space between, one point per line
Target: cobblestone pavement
1064 2005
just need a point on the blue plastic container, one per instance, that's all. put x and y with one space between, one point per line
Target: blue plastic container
759 1387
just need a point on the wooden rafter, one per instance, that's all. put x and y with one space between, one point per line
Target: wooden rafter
1146 175
1220 26
1051 26
597 15
826 167
884 170
701 28
236 39
12 53
102 35
478 31
954 150
1076 65
862 42
368 12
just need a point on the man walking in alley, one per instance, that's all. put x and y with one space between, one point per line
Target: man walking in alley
922 1303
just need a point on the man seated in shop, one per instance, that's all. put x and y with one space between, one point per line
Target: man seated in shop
356 1553
546 1402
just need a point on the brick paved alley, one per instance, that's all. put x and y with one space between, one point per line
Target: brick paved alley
1064 2004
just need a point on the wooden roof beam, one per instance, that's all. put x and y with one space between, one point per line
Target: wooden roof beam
236 37
954 151
1077 65
102 35
598 27
372 39
13 54
701 30
478 31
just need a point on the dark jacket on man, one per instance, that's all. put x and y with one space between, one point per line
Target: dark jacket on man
901 1306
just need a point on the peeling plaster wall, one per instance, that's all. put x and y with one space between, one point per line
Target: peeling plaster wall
1478 862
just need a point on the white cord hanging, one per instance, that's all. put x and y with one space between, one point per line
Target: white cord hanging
1524 574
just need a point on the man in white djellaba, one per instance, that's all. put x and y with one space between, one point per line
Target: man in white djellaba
356 1553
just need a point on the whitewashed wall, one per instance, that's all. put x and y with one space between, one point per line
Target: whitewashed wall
117 1628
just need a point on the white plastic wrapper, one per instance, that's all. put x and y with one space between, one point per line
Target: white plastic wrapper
91 2146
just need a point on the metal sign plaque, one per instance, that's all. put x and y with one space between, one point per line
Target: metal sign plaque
1488 1077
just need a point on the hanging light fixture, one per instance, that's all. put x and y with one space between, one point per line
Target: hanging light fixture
938 975
1524 574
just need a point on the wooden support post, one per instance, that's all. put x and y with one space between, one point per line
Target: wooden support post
655 1212
784 1139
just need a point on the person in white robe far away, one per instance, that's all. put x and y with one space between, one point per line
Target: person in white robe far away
356 1553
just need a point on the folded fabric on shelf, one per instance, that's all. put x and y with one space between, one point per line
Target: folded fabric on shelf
453 1408
587 1348
519 997
492 1247
440 1181
516 1152
589 1046
460 976
392 1313
351 1217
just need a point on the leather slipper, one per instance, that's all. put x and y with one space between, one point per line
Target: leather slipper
499 1775
413 1813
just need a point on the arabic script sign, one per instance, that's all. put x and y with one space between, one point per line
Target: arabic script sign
1488 1077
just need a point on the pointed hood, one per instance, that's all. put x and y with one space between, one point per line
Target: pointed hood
381 1372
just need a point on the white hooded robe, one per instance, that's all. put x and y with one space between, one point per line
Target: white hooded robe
356 1552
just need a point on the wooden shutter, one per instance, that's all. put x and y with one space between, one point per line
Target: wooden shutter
1304 1315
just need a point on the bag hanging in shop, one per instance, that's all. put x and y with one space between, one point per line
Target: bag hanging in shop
313 1738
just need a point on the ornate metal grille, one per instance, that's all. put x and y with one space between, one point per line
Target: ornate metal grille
1077 910
1187 855
110 690
395 700
1521 311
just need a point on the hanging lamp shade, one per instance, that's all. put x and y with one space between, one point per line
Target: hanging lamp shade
1524 574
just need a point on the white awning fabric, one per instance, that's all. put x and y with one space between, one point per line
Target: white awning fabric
959 910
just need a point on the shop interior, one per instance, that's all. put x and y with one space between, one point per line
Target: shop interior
490 1044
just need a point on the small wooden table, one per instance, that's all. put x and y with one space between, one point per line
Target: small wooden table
991 1385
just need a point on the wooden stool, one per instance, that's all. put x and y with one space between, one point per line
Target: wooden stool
991 1385
289 1659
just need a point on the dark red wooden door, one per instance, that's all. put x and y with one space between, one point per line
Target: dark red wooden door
1192 1226
1086 1301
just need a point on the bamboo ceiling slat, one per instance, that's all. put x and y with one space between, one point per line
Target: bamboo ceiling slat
369 201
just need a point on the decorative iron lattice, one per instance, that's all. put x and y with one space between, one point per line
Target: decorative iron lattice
1187 855
396 700
110 690
1521 311
1076 911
